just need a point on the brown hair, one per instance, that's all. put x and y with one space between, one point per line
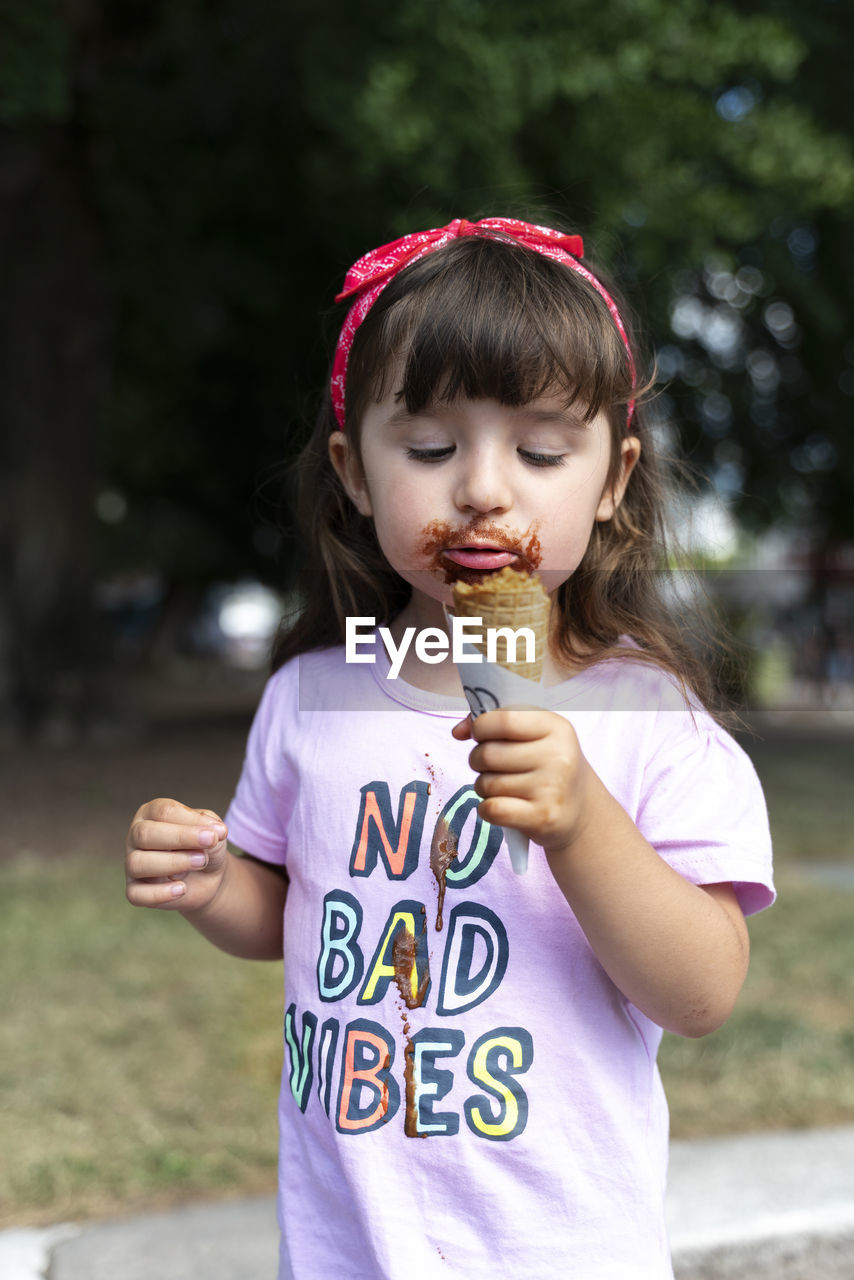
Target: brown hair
487 318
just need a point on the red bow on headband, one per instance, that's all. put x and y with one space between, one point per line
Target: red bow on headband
367 278
379 265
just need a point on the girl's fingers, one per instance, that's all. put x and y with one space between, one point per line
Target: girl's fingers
168 842
513 724
506 811
164 810
143 864
143 893
215 819
506 757
520 786
463 729
146 833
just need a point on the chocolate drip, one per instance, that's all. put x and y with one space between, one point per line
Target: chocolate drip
443 850
403 955
410 1119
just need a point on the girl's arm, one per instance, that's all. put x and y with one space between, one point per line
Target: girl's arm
177 859
678 951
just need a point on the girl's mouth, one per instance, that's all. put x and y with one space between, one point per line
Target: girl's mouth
465 552
480 558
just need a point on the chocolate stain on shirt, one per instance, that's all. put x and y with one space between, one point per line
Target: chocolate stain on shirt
403 957
384 1098
410 1118
443 850
404 952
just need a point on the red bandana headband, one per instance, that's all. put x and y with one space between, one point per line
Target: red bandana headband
367 278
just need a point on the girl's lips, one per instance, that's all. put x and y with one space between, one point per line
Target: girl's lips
480 557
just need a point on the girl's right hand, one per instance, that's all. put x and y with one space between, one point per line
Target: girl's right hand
175 856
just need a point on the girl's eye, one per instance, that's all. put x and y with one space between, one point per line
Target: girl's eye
542 459
430 455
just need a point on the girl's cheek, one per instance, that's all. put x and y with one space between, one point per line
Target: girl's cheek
409 505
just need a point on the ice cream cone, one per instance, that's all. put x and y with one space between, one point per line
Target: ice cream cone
509 599
513 600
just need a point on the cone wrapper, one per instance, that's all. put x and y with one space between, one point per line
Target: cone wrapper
512 600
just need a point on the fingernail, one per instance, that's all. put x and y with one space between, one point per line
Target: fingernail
198 860
208 838
178 888
221 830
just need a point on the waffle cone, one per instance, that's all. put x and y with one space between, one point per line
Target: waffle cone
509 599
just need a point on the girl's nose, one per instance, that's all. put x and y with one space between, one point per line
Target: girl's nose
483 485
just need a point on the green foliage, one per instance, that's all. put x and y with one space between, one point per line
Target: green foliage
248 151
34 41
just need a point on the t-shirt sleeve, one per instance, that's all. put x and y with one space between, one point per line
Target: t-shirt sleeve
259 814
703 810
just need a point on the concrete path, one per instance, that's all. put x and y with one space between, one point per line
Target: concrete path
772 1206
776 1206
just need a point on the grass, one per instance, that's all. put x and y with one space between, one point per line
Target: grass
139 1066
807 780
784 1058
137 1063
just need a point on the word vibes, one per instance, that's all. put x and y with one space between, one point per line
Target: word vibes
354 1070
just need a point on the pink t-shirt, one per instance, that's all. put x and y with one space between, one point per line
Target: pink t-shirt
513 1122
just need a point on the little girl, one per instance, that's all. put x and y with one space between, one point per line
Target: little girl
470 1086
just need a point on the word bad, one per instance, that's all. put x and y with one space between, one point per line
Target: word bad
432 644
473 965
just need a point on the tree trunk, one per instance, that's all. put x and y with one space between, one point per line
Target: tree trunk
55 329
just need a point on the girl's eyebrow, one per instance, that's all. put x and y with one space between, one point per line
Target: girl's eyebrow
399 417
555 417
568 418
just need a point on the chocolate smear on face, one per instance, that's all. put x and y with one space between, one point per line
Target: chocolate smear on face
440 534
443 850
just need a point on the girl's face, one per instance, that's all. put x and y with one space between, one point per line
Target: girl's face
465 488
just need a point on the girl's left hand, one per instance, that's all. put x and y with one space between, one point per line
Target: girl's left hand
532 773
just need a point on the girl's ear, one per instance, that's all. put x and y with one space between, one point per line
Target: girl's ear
612 497
342 455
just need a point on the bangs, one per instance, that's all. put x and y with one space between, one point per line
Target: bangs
488 319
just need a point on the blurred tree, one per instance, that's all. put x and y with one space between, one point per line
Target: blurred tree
246 152
54 360
762 354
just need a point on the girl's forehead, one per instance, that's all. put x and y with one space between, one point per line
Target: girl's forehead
447 392
554 409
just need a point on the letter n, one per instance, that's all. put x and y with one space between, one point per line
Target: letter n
397 841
